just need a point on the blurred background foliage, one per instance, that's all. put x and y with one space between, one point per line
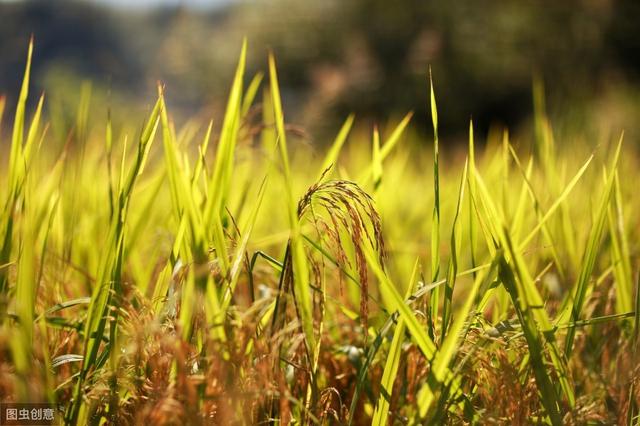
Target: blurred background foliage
370 57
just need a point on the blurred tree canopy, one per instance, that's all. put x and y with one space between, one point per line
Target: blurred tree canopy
370 57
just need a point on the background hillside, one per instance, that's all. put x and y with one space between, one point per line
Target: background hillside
335 57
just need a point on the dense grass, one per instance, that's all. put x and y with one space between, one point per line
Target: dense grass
186 274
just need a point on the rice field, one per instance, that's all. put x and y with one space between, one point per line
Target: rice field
229 273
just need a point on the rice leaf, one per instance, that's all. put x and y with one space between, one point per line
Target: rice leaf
590 254
332 155
435 217
298 256
393 362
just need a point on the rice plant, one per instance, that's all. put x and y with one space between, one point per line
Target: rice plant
226 273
